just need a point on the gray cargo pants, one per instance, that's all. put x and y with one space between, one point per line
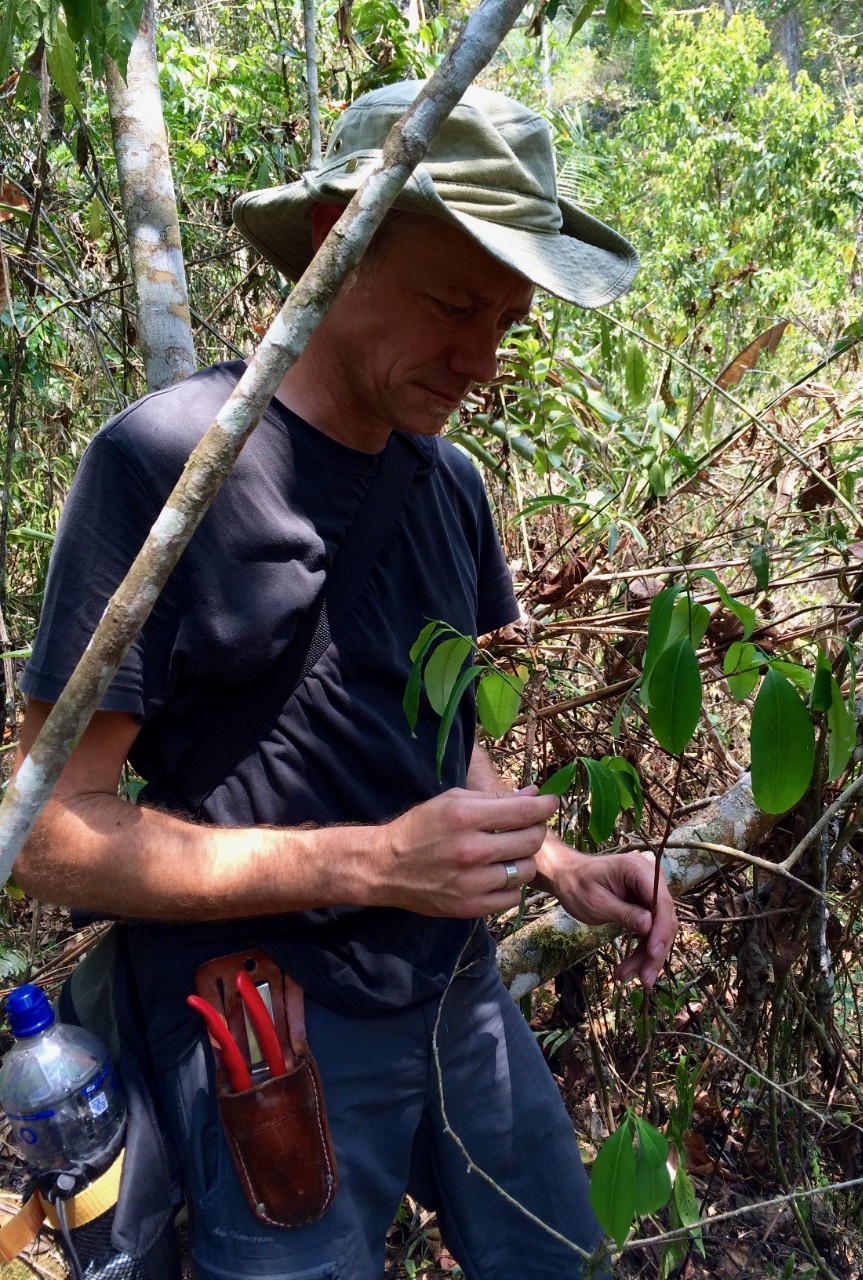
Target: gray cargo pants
381 1087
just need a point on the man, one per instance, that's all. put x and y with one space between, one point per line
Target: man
332 844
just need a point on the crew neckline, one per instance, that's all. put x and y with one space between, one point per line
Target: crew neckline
326 446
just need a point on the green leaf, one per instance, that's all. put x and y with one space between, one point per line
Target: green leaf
82 18
689 618
122 19
559 782
498 698
821 696
742 669
612 1184
63 65
842 733
451 708
782 742
31 535
675 692
659 475
604 326
658 625
418 650
133 788
442 670
686 1203
760 563
27 93
604 800
95 218
612 17
424 639
680 1112
582 16
630 14
801 676
745 616
635 373
652 1179
629 784
33 22
7 28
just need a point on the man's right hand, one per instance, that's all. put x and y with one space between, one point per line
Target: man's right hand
446 857
91 849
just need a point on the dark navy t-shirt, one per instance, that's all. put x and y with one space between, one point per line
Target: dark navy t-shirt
342 751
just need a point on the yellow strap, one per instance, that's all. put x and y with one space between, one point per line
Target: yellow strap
22 1229
87 1205
93 1201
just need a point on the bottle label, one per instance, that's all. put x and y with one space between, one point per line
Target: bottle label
95 1085
98 1104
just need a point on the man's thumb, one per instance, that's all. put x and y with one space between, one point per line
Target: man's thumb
637 920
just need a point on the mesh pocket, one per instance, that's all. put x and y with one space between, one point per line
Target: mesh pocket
99 1259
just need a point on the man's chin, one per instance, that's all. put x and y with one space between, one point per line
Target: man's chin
428 423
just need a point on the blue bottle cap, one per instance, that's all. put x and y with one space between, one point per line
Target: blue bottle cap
29 1010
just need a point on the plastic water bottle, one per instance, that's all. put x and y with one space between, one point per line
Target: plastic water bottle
60 1092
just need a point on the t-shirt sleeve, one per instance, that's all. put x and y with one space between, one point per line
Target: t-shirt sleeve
104 523
496 600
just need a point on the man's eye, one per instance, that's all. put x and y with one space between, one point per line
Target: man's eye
450 308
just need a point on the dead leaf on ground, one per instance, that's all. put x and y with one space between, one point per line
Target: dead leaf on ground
641 590
816 494
12 198
698 1158
556 586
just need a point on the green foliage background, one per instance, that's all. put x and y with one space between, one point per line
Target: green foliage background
684 426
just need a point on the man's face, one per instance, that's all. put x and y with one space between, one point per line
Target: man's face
417 325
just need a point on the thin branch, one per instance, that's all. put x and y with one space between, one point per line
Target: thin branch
758 1206
472 1166
827 816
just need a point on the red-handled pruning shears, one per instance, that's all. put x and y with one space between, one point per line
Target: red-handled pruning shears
238 1071
262 1023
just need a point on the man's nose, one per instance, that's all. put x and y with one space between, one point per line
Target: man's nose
474 353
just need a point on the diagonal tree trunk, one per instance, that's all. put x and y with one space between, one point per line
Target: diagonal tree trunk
211 461
150 211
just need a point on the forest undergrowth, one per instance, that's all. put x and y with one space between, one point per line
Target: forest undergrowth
748 1050
703 436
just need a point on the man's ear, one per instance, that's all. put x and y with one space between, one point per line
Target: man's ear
324 218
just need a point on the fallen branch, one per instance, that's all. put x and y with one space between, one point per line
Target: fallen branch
545 947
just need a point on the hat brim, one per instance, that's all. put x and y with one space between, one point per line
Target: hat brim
586 263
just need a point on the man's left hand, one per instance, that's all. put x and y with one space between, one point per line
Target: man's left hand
614 889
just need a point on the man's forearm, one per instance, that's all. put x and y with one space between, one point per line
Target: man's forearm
101 853
92 849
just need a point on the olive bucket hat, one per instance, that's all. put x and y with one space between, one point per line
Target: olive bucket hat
490 171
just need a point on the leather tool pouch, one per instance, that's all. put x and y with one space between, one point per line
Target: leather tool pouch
277 1130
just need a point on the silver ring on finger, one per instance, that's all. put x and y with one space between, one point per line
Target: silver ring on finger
512 876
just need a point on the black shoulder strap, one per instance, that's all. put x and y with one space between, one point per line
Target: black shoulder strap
234 719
